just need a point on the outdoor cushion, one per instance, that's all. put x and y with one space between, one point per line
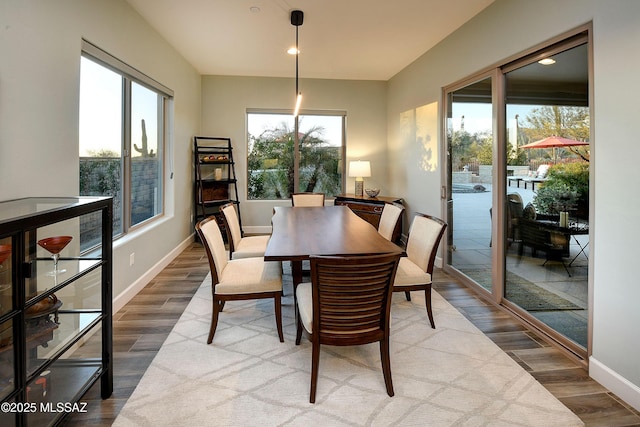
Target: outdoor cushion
529 212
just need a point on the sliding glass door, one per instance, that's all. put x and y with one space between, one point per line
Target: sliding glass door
547 196
518 145
470 190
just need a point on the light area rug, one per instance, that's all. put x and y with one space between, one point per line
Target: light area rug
449 376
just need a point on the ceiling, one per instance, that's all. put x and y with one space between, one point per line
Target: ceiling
339 39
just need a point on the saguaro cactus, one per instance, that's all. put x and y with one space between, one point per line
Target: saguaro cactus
144 150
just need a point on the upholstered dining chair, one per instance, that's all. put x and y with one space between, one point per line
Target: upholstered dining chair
347 303
416 269
238 279
239 246
389 219
307 199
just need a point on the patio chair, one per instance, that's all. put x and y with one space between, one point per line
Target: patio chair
239 246
416 269
347 303
538 177
238 279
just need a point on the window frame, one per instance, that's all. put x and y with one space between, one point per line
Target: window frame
129 76
296 120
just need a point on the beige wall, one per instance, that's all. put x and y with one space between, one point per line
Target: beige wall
226 100
39 81
504 29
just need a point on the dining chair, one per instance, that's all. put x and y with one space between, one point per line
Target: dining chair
347 303
238 279
239 246
416 269
389 220
307 199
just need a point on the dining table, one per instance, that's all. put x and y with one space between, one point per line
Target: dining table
299 232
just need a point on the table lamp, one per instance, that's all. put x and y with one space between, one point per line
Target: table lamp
359 169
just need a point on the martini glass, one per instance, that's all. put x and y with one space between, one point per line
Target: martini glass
5 252
54 245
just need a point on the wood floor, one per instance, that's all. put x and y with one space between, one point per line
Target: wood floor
142 325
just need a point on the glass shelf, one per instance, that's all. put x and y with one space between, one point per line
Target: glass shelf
66 377
44 281
50 337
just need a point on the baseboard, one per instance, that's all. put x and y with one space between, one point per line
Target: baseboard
613 381
123 298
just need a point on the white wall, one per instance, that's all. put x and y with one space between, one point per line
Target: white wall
40 43
506 28
226 100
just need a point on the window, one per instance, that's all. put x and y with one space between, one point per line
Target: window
288 154
122 134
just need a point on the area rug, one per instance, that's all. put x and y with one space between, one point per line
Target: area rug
526 294
452 375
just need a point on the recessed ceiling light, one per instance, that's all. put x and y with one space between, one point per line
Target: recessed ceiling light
547 61
292 51
254 9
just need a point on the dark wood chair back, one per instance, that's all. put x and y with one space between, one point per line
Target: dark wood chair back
352 298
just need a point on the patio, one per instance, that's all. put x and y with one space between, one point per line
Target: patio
472 256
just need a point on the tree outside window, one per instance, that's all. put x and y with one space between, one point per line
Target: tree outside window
281 163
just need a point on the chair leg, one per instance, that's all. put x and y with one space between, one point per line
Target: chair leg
315 360
298 327
278 308
407 294
216 308
386 365
427 298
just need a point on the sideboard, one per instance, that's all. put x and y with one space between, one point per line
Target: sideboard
370 209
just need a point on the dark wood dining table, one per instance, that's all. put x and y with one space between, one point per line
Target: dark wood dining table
299 232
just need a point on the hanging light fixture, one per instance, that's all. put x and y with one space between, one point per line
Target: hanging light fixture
297 17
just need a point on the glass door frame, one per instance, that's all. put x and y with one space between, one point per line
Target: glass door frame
499 184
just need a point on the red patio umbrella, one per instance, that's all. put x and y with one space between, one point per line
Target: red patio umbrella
554 142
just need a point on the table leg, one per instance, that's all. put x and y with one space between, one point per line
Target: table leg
581 251
296 273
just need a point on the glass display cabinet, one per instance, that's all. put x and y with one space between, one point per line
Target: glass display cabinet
55 306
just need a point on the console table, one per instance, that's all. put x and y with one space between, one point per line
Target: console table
370 209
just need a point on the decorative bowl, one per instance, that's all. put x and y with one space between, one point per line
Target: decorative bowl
372 192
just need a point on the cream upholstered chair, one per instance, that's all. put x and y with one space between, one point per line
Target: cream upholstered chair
307 199
238 279
415 270
241 247
389 219
347 303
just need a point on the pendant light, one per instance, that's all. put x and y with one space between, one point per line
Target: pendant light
297 17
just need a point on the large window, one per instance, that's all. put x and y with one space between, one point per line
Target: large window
288 154
122 128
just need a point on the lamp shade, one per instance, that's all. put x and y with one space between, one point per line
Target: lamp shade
359 168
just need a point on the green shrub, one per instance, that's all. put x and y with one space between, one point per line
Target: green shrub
566 189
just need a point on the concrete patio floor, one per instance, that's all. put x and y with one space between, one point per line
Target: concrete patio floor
472 251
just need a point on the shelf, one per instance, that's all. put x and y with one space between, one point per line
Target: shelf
47 317
66 381
74 269
215 182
